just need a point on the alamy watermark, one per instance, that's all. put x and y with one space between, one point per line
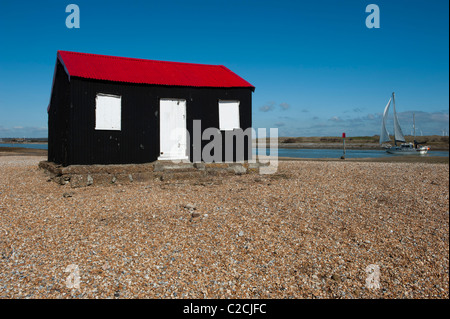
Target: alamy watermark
373 19
373 276
238 146
73 19
73 280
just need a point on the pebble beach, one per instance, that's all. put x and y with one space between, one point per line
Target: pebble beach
314 229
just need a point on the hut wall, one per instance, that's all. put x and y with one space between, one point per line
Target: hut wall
138 139
59 128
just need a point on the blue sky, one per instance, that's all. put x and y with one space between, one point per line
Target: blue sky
318 70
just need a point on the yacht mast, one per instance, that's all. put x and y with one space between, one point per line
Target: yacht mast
393 102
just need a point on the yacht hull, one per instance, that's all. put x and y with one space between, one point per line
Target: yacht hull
399 151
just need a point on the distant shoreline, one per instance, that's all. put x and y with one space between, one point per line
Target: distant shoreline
435 142
348 146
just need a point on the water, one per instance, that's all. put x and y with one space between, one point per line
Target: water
337 153
24 145
290 152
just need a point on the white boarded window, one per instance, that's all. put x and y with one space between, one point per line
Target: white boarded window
228 115
108 109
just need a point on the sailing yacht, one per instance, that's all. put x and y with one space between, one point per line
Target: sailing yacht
404 148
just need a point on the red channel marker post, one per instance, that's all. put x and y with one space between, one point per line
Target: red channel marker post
343 137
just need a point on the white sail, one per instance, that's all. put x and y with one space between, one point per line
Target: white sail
398 134
384 136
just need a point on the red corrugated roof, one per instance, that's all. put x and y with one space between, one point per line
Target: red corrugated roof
119 69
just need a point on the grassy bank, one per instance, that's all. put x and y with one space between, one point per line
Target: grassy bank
22 151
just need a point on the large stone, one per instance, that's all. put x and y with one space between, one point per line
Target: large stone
78 181
190 206
238 169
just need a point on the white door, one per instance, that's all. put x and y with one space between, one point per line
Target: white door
172 132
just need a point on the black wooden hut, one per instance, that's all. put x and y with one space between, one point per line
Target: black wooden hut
115 110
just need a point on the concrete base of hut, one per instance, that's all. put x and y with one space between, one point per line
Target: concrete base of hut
87 175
